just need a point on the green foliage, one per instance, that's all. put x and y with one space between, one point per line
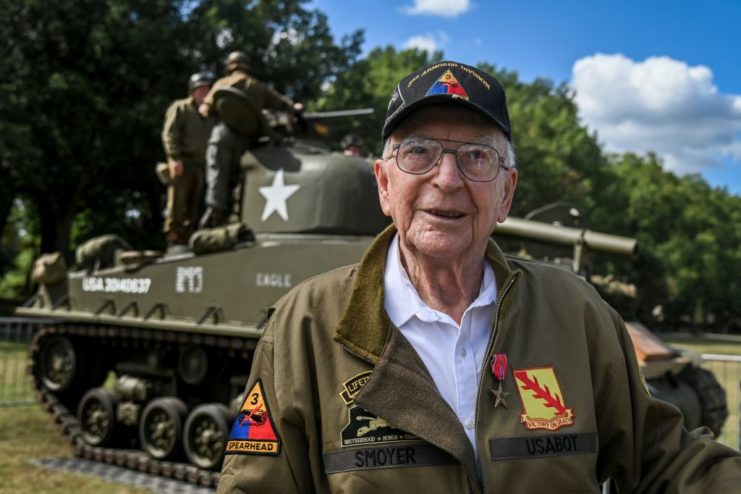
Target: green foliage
88 81
86 84
18 245
691 231
368 84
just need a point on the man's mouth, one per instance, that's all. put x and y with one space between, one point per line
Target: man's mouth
446 214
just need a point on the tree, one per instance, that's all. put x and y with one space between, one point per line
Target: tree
88 82
368 84
692 234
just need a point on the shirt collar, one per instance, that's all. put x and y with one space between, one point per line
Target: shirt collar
402 302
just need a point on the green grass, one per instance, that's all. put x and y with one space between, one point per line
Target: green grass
699 344
26 433
15 383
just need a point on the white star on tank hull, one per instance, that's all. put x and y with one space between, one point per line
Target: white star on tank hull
276 196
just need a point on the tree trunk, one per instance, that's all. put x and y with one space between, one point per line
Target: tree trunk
55 218
6 206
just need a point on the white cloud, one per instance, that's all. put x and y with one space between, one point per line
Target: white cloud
430 42
442 8
661 105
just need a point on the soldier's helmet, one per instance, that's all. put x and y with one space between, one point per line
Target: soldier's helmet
237 59
351 140
199 79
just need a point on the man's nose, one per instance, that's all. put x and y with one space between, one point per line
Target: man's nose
448 175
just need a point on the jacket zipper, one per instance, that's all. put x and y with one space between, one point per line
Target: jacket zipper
489 347
358 356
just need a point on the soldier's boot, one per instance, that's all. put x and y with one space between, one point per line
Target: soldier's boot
213 217
177 242
174 237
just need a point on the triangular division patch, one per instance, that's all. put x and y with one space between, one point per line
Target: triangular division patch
253 431
447 84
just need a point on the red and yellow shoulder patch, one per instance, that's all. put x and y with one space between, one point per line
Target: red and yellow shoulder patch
542 399
253 431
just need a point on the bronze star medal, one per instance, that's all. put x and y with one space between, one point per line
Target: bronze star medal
499 371
500 396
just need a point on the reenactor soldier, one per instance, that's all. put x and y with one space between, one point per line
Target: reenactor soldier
226 146
185 136
352 145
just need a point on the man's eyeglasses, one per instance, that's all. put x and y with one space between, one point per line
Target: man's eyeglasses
477 162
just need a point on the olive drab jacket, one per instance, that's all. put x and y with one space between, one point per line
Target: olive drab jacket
185 132
261 95
339 401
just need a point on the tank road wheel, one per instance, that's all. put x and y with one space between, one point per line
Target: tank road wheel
192 364
713 402
161 427
59 366
97 414
206 431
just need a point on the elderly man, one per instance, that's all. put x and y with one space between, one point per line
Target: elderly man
437 364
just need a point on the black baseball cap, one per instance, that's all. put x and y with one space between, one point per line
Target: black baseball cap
448 83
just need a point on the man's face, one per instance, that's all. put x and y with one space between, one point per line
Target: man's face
441 213
199 94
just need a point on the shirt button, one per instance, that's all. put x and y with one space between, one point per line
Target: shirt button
462 352
469 424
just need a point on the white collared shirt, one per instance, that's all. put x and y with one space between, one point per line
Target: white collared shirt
453 354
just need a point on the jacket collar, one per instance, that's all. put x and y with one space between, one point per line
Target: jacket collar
364 328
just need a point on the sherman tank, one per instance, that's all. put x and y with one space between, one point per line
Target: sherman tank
146 361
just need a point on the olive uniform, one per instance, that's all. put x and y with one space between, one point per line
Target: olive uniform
184 137
225 146
339 401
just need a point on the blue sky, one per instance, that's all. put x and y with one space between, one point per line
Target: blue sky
655 75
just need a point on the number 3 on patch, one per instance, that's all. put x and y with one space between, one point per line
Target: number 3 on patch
253 432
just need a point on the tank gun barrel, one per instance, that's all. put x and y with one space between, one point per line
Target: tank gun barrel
315 115
563 235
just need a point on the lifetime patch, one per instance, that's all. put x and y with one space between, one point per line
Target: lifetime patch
365 428
253 431
352 387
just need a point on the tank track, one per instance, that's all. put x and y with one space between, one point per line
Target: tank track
69 425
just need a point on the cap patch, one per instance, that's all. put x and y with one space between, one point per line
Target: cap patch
447 84
542 400
253 431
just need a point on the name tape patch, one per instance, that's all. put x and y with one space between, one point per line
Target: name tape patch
512 448
407 455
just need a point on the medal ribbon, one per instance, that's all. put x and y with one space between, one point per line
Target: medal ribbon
499 366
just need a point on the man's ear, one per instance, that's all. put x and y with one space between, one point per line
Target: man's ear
510 184
382 180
